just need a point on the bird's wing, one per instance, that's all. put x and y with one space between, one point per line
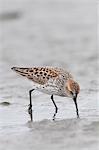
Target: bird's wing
63 74
39 75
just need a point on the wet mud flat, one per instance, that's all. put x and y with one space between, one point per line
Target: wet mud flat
48 33
69 134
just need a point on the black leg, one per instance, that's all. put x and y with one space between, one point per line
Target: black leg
30 105
75 101
56 108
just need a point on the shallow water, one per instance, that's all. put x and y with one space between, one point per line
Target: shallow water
48 33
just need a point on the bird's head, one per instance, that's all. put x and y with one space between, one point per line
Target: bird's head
72 89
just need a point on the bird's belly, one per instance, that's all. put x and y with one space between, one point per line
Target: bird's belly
51 91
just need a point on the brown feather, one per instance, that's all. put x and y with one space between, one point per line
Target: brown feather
39 75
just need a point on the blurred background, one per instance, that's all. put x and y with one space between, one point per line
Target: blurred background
49 33
58 33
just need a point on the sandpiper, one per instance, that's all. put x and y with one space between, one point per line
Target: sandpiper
52 81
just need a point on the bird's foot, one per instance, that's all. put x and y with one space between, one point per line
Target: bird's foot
30 111
54 116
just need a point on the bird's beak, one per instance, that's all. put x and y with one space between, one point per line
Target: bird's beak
74 96
75 101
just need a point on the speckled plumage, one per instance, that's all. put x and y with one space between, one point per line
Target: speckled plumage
46 79
53 81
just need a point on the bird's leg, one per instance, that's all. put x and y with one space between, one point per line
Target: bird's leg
30 105
75 101
56 108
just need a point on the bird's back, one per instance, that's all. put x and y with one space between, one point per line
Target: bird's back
42 75
46 79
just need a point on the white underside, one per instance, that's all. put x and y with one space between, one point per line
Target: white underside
51 91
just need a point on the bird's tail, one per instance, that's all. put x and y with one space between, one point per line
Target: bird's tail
21 71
